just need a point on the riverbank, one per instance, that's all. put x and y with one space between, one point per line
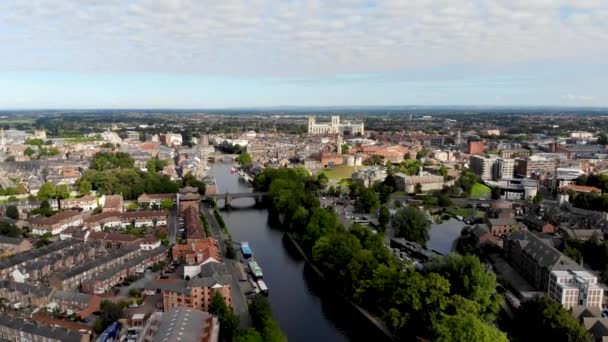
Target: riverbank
375 321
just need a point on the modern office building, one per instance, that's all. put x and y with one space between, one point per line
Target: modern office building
574 288
492 167
334 127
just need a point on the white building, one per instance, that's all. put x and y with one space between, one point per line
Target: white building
574 288
482 166
581 135
503 168
334 127
492 167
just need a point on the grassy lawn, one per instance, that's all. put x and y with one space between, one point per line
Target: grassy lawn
16 121
339 172
480 191
468 212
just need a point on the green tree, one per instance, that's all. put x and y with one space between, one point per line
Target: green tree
47 191
384 192
470 279
412 224
602 139
537 198
12 212
444 201
261 317
418 188
110 313
9 159
345 148
244 159
62 191
166 204
322 180
333 252
249 335
366 200
384 216
229 322
9 229
466 328
543 319
84 187
29 151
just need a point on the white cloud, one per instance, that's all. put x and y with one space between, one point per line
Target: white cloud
278 38
577 98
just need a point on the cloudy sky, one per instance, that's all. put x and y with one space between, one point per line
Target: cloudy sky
225 53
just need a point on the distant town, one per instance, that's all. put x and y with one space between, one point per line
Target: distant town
116 225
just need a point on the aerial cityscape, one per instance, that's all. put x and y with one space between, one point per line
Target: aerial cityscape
248 171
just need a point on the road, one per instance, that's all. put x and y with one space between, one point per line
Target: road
172 226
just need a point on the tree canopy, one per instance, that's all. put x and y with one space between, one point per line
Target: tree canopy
412 224
543 319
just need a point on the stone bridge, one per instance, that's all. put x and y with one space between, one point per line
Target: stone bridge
228 197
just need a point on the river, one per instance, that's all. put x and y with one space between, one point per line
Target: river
304 308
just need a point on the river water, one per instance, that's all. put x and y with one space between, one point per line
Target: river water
305 309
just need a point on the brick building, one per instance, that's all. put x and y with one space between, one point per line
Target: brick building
56 223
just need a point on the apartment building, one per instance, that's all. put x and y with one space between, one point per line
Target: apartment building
155 199
113 219
482 166
503 168
197 292
574 288
86 203
536 258
56 223
534 166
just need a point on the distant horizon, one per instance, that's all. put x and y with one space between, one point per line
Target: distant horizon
307 107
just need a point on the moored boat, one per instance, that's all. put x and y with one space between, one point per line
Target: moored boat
246 250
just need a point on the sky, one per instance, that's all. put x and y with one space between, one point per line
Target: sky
259 53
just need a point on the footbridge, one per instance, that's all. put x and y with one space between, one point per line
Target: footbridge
228 197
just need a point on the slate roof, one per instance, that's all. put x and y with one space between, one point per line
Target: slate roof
543 252
59 334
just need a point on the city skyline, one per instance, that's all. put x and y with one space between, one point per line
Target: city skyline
234 54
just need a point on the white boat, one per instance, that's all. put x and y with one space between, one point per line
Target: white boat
262 286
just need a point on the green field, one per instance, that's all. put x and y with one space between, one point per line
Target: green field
468 212
339 172
16 121
480 191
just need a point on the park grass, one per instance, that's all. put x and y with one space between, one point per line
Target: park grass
480 191
468 212
339 172
16 121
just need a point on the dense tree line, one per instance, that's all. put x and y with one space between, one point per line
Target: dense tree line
114 173
265 328
543 319
452 300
